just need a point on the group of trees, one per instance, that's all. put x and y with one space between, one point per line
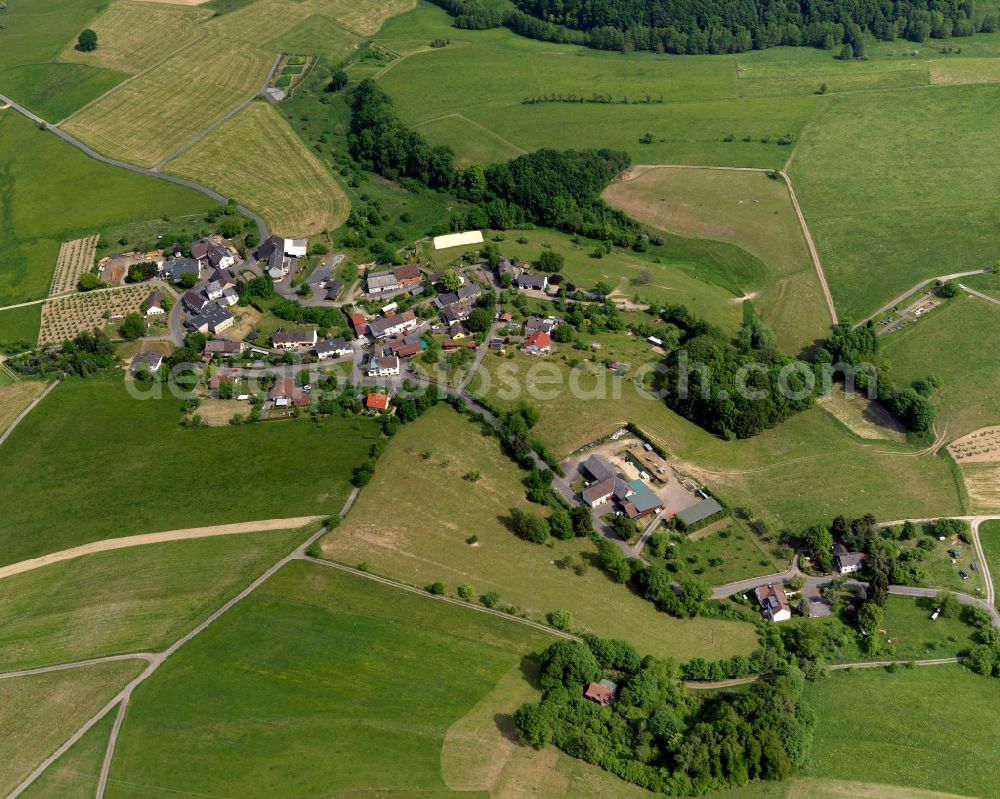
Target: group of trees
292 311
659 735
723 26
734 390
85 355
559 189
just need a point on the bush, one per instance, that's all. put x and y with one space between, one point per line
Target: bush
363 475
465 591
490 599
529 526
560 619
436 588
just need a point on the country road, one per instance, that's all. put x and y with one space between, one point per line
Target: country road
23 414
896 300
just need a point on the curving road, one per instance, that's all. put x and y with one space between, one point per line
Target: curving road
896 300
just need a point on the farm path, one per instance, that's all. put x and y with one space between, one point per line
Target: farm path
980 294
896 300
21 416
479 126
863 664
149 657
190 184
109 544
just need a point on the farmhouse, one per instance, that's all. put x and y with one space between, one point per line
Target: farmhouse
845 561
377 402
224 348
285 394
212 252
773 602
392 325
278 265
153 304
194 301
385 366
407 275
296 248
175 268
603 692
213 318
381 282
597 469
538 343
333 348
293 339
641 501
147 360
532 282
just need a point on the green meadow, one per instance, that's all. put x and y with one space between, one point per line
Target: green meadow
139 599
91 462
351 686
75 775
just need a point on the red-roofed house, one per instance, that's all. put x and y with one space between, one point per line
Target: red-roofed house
538 343
377 402
359 323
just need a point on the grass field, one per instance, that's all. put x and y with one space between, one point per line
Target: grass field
967 70
20 324
748 210
741 553
832 471
15 397
130 600
66 481
295 193
150 117
398 532
39 712
888 208
352 686
320 35
134 36
989 537
75 775
474 143
935 728
949 343
52 193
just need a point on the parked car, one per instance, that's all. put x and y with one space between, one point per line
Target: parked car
974 567
963 575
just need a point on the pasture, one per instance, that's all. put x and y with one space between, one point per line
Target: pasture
398 532
295 193
54 502
935 729
54 193
20 324
832 471
134 36
75 775
139 599
313 657
15 397
148 118
724 556
890 202
989 537
39 712
748 210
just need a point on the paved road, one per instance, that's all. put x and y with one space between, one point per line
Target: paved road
895 301
261 225
108 544
23 414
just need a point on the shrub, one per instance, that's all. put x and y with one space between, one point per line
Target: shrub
436 588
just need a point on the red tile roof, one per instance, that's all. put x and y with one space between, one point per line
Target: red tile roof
377 402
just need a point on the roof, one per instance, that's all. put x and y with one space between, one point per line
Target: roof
377 402
378 327
458 239
334 289
175 267
597 491
642 498
772 597
598 468
381 280
539 339
407 272
150 359
330 346
405 349
598 692
527 281
851 559
299 337
224 346
284 387
154 300
211 315
704 509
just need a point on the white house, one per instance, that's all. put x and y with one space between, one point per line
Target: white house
392 325
773 602
296 248
387 366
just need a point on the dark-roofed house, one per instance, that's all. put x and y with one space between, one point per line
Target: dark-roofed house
597 469
224 348
532 282
392 325
213 318
773 602
285 394
381 282
603 692
333 290
333 348
846 562
214 253
385 366
153 304
293 339
146 360
598 493
194 301
533 323
407 275
175 268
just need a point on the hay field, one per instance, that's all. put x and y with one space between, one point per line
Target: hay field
966 70
134 36
319 35
75 258
742 208
257 158
260 20
862 417
364 17
65 317
14 398
146 119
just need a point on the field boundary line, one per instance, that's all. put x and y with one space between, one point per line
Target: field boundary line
23 414
474 124
76 664
704 685
127 542
811 245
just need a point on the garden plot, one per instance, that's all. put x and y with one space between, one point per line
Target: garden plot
66 317
75 258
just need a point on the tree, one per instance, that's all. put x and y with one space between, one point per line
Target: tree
436 588
561 524
529 526
226 390
133 326
560 619
583 521
532 726
450 280
89 281
480 320
550 261
981 659
338 80
846 52
950 289
870 618
86 42
362 475
948 604
465 591
818 544
568 663
189 280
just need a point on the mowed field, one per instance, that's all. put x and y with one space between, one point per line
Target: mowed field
257 158
350 685
76 773
131 469
894 192
139 599
742 208
39 712
15 397
50 193
412 521
133 36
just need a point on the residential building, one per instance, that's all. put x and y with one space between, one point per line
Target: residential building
285 394
773 602
278 265
377 402
213 318
406 347
293 339
224 348
599 493
194 301
381 282
538 343
214 252
533 323
507 267
153 304
532 282
603 692
407 275
359 323
392 325
845 561
215 289
147 360
175 269
333 348
384 366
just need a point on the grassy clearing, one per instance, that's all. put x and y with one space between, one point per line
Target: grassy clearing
152 116
887 209
295 193
748 210
832 471
967 70
316 656
949 343
989 537
135 36
398 532
318 34
140 599
38 713
65 480
474 144
15 397
920 736
864 418
727 555
51 193
21 324
75 775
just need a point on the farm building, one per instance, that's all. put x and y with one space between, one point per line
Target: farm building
223 347
641 502
333 290
701 511
153 304
213 318
597 469
176 268
381 282
407 275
